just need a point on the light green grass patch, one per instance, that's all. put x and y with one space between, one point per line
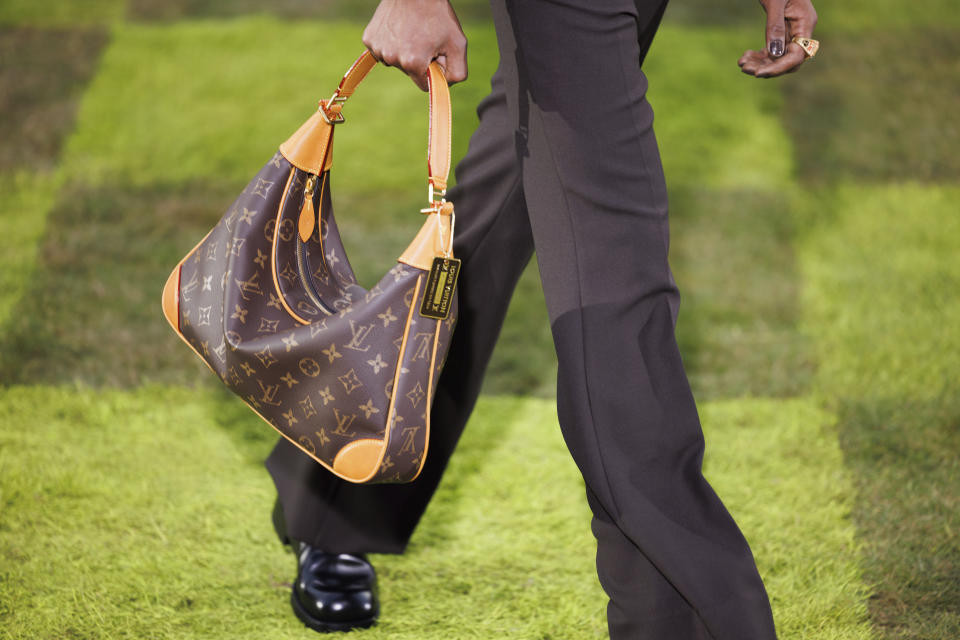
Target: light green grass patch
778 467
883 274
220 97
25 199
717 127
146 514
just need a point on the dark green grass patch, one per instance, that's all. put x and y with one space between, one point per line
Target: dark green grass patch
732 254
60 13
90 306
91 310
878 105
42 75
881 305
146 514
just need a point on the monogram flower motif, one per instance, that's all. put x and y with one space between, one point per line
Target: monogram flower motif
377 363
332 353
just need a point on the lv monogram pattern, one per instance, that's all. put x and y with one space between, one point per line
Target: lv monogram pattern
288 329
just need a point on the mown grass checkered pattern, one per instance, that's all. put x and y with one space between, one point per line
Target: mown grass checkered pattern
814 240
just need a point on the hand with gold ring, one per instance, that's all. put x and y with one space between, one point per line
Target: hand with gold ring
789 39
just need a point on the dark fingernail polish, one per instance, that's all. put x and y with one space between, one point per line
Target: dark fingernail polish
776 48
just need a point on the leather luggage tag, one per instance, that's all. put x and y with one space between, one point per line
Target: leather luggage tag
441 283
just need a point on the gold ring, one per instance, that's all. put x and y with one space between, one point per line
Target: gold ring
809 45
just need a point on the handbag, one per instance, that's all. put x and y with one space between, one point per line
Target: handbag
269 301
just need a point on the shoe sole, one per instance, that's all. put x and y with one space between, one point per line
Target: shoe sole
327 627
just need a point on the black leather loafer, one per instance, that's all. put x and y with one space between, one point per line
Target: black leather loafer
334 591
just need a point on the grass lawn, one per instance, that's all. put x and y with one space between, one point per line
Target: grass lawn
814 237
155 518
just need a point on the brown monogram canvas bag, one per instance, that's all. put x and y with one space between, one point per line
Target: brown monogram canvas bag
269 301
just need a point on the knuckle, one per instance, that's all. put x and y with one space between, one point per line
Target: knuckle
408 61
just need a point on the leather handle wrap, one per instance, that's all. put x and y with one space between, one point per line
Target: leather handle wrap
441 118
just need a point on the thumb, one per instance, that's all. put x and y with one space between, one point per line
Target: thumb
776 28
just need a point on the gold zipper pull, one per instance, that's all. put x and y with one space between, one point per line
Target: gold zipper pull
308 216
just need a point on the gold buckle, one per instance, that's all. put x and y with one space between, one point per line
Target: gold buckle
338 99
431 195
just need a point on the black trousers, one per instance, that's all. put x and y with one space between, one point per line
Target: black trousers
565 161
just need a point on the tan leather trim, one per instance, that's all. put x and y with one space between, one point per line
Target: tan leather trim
171 299
358 459
273 254
429 243
307 149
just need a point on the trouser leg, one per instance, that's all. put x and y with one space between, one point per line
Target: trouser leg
493 239
669 556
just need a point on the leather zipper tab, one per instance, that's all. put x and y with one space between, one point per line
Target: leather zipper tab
308 216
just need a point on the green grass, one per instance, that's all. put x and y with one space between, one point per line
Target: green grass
734 138
130 514
60 13
25 200
883 278
44 72
221 96
878 108
814 240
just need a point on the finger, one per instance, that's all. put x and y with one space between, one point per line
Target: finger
801 18
455 60
442 61
752 56
415 66
751 61
419 79
776 28
789 61
751 67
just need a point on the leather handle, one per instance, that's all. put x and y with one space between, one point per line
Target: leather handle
441 118
441 129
